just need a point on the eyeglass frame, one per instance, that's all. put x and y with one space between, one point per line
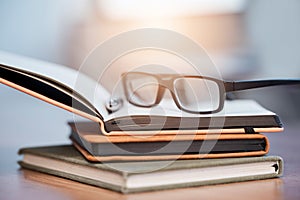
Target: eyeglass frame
166 81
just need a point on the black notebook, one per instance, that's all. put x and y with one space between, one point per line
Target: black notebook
97 147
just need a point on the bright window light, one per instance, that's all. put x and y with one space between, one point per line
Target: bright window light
150 9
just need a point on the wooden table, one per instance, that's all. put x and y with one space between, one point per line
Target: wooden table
25 121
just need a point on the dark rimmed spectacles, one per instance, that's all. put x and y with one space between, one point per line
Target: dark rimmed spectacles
194 94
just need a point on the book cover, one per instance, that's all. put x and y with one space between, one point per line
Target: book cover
249 190
65 161
98 147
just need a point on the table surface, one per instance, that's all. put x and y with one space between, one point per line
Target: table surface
25 121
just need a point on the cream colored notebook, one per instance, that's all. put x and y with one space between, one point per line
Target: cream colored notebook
64 161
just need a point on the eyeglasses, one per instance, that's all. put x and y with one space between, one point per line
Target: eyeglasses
194 94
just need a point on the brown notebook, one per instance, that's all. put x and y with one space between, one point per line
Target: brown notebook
56 85
97 147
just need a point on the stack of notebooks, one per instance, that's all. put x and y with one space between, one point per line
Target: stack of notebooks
142 152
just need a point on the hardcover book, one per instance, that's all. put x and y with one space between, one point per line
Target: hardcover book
56 84
64 161
100 148
248 190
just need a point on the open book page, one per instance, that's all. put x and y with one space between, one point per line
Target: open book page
63 76
168 108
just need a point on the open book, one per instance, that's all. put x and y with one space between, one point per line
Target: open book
56 85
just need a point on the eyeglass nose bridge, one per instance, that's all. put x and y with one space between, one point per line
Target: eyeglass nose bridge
164 84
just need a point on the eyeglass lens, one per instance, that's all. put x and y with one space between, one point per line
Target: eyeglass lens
196 94
142 89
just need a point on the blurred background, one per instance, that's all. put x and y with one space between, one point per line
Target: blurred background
246 40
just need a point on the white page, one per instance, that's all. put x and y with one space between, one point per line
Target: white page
62 74
168 108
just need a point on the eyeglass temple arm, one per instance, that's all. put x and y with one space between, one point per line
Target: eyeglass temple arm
244 85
